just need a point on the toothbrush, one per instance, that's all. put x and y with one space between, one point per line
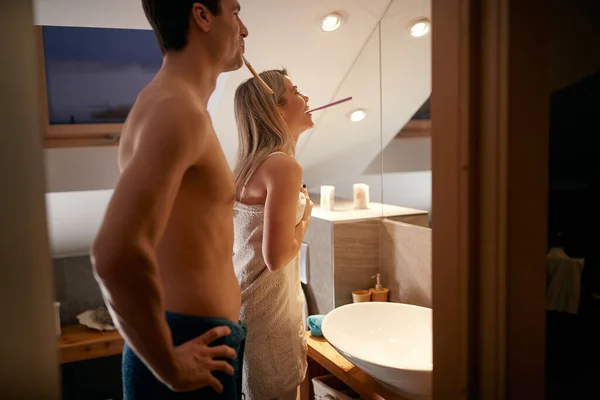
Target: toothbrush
258 78
335 103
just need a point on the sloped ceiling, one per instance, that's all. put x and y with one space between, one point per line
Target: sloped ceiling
390 79
325 66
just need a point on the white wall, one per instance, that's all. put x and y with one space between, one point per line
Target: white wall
74 219
78 169
403 155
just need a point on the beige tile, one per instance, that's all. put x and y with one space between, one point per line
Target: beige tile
406 262
356 257
344 256
419 220
319 291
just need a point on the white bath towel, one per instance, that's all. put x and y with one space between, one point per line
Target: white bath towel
563 281
275 357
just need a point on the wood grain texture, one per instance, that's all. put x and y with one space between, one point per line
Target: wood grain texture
79 343
53 143
406 262
419 220
415 128
356 258
344 255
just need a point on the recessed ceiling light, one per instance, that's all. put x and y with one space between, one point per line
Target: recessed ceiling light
357 115
420 28
331 22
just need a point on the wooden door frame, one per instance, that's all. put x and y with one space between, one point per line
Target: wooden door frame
489 163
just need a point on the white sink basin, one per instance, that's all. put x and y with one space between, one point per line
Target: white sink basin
391 342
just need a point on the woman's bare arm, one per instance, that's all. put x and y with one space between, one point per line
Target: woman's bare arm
282 238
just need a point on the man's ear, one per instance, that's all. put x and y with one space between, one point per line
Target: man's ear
201 16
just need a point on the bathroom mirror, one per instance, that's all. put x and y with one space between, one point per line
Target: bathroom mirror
405 162
375 140
389 149
344 236
347 137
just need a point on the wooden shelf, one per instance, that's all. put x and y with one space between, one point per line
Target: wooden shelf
320 351
79 343
415 128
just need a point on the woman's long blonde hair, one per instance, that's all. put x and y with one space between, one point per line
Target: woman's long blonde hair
261 128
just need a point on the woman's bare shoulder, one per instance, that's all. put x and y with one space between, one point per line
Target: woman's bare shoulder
280 167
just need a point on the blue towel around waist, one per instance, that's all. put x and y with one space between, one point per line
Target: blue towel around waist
140 384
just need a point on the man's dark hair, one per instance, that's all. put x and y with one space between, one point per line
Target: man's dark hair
170 20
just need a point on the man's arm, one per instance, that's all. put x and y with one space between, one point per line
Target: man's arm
123 254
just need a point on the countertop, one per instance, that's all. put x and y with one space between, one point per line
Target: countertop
343 211
78 343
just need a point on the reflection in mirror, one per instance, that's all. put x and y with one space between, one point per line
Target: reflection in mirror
343 238
381 139
347 136
404 165
406 87
390 82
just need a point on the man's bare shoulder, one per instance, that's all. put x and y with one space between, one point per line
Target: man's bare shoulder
170 112
166 121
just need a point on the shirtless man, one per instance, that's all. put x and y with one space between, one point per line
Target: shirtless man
163 255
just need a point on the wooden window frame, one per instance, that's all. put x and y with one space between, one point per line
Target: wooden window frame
68 135
415 128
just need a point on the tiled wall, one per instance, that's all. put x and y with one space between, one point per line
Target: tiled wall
406 262
75 287
345 256
319 291
356 261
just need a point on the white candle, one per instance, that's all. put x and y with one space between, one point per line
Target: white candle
361 196
327 198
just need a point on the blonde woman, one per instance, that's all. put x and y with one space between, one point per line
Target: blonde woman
271 216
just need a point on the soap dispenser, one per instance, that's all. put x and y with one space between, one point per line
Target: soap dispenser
379 293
